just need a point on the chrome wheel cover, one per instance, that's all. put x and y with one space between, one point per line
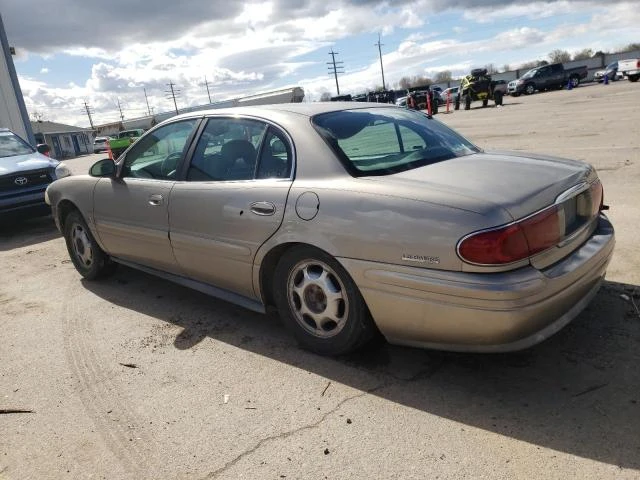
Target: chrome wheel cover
317 298
81 245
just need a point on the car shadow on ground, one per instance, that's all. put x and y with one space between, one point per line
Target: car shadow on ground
575 393
16 233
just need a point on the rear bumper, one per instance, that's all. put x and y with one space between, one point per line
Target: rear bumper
482 312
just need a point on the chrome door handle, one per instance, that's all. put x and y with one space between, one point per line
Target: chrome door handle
155 200
263 208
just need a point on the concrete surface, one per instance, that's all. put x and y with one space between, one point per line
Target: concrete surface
137 378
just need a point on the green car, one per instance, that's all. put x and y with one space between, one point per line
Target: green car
122 140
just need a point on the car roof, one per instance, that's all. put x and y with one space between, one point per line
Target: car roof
305 109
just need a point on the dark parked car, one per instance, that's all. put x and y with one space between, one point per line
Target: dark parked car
24 176
547 77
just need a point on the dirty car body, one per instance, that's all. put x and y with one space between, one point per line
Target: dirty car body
351 219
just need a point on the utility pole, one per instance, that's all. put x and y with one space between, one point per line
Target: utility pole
147 100
88 109
120 109
381 67
335 68
173 93
207 85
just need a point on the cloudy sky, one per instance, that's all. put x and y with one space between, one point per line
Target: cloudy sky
72 51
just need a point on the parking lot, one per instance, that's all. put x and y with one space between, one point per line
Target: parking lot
135 377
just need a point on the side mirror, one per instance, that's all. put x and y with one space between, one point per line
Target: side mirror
103 168
43 148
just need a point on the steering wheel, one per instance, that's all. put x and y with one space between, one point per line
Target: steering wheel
169 164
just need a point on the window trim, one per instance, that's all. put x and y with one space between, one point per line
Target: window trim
186 149
347 163
182 175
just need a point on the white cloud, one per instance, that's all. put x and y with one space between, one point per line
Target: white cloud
44 70
253 47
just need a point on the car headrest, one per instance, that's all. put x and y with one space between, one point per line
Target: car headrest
235 149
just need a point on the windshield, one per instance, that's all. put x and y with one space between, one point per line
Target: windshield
530 73
383 141
129 134
12 145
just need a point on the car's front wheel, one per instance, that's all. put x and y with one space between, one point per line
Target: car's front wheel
87 256
319 302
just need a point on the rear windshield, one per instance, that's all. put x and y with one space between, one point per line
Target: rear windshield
12 145
383 141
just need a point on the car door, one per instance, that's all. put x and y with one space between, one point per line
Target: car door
557 75
231 201
131 211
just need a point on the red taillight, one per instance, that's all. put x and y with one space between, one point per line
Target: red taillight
514 242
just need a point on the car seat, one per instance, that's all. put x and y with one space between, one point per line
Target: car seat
239 159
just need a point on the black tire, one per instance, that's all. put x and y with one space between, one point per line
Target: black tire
574 80
530 89
515 94
456 103
633 78
346 328
467 102
87 256
497 96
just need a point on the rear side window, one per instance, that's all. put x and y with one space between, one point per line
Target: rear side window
383 141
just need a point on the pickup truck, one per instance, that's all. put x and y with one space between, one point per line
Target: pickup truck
120 142
547 77
630 68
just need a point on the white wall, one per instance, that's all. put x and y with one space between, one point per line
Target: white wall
12 110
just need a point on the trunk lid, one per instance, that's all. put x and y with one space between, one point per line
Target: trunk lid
519 183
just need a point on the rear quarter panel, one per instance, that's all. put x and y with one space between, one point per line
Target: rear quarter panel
352 222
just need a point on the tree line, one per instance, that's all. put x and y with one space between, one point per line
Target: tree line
555 56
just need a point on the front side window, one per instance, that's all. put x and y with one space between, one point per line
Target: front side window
383 141
12 145
158 154
227 150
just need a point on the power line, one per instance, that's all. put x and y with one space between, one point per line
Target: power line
381 66
173 93
120 109
89 111
207 85
335 68
147 100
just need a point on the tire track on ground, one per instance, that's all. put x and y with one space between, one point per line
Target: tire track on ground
122 432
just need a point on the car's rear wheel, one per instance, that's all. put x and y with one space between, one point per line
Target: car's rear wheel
319 302
575 81
86 255
633 78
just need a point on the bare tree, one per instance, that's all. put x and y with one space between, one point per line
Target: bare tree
506 67
491 68
559 56
443 77
325 97
631 47
583 54
529 65
404 83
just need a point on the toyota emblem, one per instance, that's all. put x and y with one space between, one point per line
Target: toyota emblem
21 181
